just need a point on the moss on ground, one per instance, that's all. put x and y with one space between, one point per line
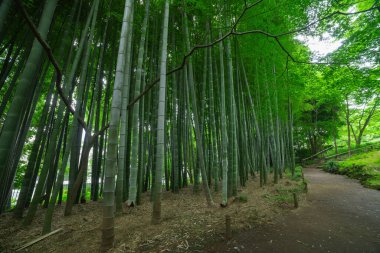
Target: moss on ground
364 167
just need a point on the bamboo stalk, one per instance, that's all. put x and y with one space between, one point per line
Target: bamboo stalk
39 239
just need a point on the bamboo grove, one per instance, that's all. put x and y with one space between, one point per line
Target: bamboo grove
139 108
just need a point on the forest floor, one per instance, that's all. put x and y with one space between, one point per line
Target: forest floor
339 215
188 225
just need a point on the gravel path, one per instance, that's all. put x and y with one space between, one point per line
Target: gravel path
339 215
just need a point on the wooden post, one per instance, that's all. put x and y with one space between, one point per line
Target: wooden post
295 200
228 227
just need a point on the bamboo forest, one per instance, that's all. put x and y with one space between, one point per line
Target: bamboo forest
190 126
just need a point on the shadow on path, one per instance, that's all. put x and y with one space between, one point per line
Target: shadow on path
340 216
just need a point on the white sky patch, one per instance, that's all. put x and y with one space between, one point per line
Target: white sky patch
322 45
368 64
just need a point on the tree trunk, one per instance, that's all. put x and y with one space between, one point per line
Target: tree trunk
224 127
160 149
136 121
4 9
9 131
198 136
348 126
108 234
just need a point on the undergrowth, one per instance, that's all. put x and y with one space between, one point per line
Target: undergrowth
283 195
364 167
297 174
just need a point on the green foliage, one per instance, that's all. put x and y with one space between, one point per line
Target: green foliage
19 178
332 167
312 96
364 167
373 182
285 194
365 147
242 198
354 77
29 3
64 196
371 160
298 174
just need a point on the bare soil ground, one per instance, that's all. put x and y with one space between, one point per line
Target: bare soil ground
340 216
187 223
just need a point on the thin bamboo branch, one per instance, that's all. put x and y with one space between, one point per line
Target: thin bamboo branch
39 238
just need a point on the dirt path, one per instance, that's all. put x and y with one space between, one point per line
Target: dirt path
339 216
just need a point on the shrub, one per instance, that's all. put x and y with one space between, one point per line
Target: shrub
373 182
368 176
332 167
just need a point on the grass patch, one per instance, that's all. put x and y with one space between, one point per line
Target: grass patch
298 174
365 167
369 160
283 194
373 182
242 198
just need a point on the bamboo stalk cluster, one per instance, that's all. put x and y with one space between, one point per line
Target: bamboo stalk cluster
212 125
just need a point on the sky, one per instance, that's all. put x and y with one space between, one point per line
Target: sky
325 44
320 46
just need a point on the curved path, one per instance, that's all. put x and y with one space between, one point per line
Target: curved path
340 216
